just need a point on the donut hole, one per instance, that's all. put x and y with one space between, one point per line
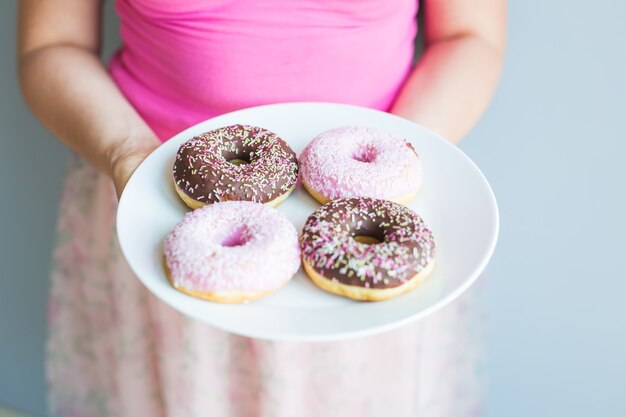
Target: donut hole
237 237
368 236
238 161
365 153
236 158
368 240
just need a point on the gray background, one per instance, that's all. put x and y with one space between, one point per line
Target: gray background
552 144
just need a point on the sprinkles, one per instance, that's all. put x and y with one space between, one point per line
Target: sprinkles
329 246
357 161
203 169
232 246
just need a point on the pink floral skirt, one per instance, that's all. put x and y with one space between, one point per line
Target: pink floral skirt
115 350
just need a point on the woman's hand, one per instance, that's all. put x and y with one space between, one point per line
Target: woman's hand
123 165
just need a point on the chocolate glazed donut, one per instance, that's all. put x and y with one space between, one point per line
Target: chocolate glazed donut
235 163
367 249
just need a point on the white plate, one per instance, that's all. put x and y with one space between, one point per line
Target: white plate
455 200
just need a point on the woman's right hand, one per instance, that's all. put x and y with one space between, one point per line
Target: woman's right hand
123 165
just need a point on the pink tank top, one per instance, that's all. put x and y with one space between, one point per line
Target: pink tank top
186 61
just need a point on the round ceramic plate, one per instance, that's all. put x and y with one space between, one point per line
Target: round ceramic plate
455 200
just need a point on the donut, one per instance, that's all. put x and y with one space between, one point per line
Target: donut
238 162
360 162
231 252
366 249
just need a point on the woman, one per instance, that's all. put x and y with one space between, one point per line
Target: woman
115 350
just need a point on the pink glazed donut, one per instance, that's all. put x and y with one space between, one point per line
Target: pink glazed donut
360 162
232 252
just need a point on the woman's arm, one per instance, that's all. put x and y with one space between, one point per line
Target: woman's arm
456 76
69 90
